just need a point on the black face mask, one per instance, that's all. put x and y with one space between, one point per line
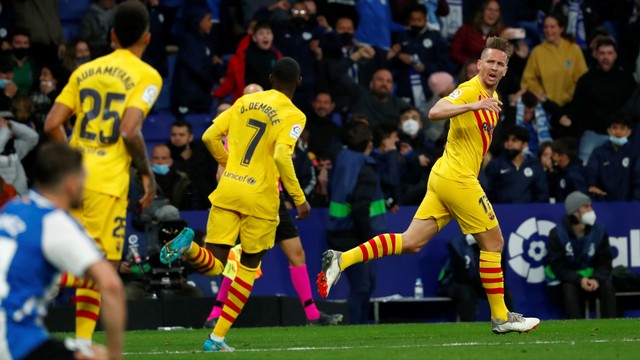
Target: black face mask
511 153
346 38
415 30
298 22
20 53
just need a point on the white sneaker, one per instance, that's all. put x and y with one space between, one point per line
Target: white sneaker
515 323
330 272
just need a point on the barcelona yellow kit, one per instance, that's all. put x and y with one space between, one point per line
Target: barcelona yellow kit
99 92
247 197
453 188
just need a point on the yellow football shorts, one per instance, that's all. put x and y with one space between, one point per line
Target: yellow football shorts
104 216
464 201
256 234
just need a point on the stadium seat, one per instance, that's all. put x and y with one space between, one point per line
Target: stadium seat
71 13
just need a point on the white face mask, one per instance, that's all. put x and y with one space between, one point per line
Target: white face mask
410 127
588 218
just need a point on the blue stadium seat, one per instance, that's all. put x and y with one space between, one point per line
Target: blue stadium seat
157 127
200 123
71 13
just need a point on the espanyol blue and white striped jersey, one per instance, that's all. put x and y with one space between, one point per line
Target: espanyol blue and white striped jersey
37 241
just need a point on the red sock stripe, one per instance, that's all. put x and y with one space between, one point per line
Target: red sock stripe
490 270
374 247
365 252
238 294
87 300
210 261
87 314
385 247
233 306
227 317
63 279
86 284
197 258
243 283
492 281
495 291
393 243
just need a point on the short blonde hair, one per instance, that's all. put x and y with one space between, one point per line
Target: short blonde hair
498 43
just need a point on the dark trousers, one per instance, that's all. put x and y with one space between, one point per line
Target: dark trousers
573 297
362 282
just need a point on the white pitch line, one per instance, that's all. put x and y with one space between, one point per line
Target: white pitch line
569 342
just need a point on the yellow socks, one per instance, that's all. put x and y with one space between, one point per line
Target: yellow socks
379 246
493 283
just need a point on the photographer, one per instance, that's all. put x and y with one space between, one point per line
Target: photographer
147 277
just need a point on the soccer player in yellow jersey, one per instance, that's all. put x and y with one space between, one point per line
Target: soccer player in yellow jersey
453 190
110 97
262 129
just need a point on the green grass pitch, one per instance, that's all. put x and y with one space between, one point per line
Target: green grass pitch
566 340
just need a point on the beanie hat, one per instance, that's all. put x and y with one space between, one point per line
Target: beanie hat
574 201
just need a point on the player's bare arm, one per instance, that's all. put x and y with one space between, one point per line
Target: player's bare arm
212 139
131 132
444 110
284 163
53 125
113 303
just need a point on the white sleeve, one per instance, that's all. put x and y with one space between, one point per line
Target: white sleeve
66 245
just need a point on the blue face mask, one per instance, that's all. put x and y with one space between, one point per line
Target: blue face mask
618 141
160 169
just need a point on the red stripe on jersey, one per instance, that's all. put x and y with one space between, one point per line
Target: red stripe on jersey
87 300
490 270
491 281
87 314
488 118
385 247
365 253
393 243
476 113
238 294
494 291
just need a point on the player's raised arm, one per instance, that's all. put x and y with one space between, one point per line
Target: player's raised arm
131 132
444 109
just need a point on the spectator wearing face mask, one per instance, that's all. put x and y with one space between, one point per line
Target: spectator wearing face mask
417 156
514 177
579 259
423 52
613 170
25 69
172 184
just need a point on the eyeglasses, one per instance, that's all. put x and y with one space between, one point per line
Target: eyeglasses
299 11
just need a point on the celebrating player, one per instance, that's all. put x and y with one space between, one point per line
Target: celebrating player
288 239
110 97
38 239
453 190
262 129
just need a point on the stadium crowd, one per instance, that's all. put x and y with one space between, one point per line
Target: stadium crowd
571 89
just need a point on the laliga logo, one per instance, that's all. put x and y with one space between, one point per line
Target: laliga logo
527 249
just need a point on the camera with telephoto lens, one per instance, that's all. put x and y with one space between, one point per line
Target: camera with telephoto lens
168 276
